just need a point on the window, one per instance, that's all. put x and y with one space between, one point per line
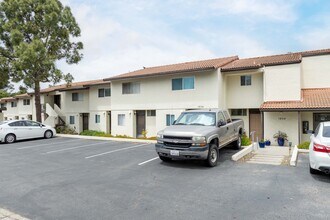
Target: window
131 88
121 119
97 119
326 131
17 124
32 124
104 93
227 116
183 83
151 113
72 120
170 119
246 80
26 102
196 118
221 117
3 105
77 97
13 104
238 112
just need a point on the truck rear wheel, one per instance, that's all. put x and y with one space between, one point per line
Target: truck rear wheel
212 159
165 159
238 143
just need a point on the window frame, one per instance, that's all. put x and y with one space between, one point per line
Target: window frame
183 83
102 92
238 112
13 105
72 120
97 119
130 90
80 97
170 118
121 118
26 102
151 113
245 81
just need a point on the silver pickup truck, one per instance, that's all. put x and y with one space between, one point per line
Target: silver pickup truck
199 134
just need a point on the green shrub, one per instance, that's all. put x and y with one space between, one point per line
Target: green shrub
245 140
65 130
304 145
95 133
123 136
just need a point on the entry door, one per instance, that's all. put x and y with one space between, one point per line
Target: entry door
256 123
85 121
57 100
320 117
140 122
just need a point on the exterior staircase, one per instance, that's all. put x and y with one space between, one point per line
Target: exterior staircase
54 116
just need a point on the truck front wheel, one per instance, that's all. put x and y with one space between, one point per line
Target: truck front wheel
212 159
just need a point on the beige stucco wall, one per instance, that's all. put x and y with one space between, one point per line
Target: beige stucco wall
128 128
156 93
102 126
306 116
284 121
1 116
238 96
282 82
77 106
315 72
99 103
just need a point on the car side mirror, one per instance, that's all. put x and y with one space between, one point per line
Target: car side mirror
221 123
173 122
310 132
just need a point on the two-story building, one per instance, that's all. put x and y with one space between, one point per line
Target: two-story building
18 107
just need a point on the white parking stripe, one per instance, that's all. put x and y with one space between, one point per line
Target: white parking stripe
113 151
72 148
147 161
33 146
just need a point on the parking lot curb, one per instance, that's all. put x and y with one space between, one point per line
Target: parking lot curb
107 138
294 157
8 215
242 153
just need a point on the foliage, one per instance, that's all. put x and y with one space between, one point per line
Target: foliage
304 145
95 133
280 134
246 140
144 133
4 93
34 35
65 130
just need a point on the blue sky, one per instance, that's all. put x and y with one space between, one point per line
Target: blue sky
125 35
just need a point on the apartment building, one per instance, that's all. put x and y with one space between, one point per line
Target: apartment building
286 92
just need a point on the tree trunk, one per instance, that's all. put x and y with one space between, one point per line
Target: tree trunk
37 101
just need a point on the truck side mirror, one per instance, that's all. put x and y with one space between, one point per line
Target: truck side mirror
173 122
221 123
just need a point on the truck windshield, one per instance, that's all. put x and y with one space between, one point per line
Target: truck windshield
196 118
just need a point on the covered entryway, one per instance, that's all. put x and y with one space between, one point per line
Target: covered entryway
320 117
57 100
108 119
85 120
140 122
255 119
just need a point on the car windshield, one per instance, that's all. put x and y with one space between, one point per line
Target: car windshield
326 131
196 118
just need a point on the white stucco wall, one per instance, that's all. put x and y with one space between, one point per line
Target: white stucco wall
315 72
70 106
156 93
238 96
128 128
99 103
284 121
282 82
102 126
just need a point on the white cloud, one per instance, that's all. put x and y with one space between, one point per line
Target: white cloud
277 10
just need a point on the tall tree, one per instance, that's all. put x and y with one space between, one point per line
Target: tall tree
34 35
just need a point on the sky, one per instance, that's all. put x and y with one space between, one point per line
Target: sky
120 36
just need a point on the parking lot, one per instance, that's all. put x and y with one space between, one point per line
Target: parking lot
65 178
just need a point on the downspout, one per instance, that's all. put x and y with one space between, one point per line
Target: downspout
299 127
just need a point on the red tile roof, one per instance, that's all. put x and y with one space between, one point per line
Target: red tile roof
311 99
257 62
7 99
73 86
177 68
26 95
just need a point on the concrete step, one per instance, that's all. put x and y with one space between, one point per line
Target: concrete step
264 162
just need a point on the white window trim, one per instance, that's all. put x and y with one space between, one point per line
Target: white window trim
181 90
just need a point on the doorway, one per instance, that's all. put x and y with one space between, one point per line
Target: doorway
57 100
320 117
255 119
108 122
140 122
85 121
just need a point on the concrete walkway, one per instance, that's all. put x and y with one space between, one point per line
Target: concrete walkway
272 155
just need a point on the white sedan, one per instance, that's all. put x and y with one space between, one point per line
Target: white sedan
11 131
319 149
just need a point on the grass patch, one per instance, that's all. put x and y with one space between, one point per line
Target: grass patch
95 133
304 145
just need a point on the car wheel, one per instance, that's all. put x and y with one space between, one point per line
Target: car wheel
10 138
48 134
238 143
165 159
212 158
313 171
